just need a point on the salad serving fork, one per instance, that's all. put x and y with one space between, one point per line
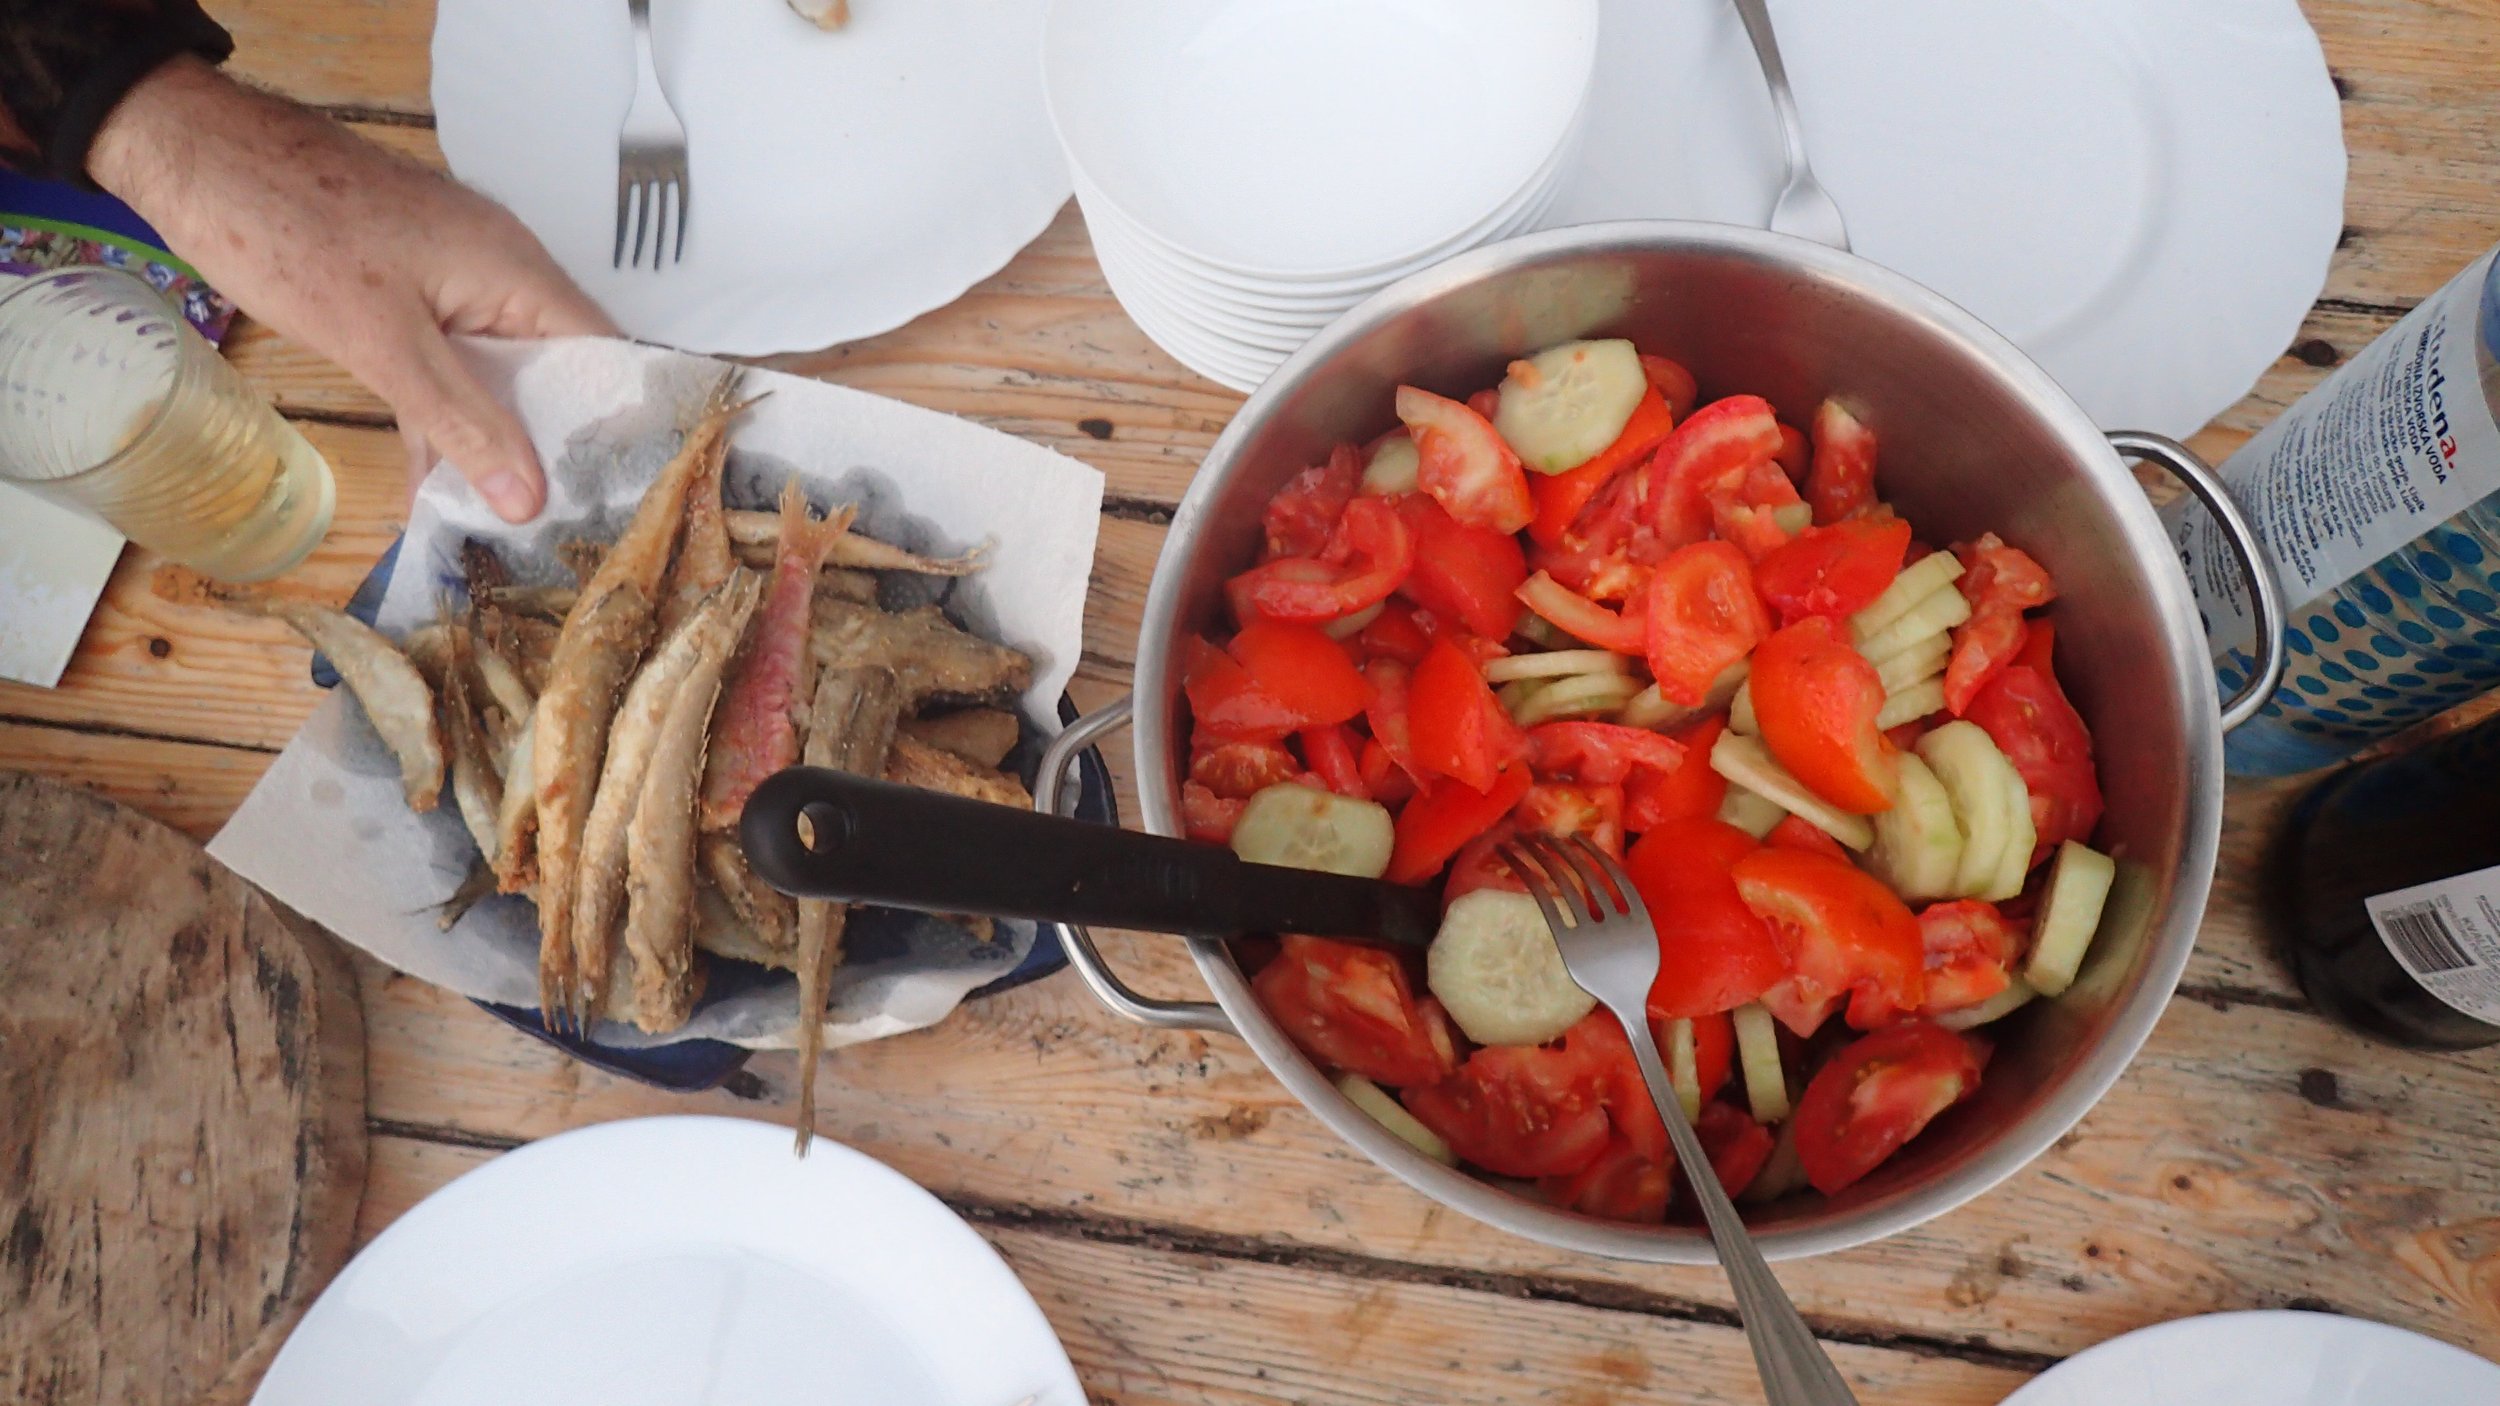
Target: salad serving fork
1610 948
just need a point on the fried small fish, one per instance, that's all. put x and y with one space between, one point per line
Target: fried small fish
981 736
394 694
757 730
758 529
850 728
703 558
932 657
660 854
916 763
764 911
476 786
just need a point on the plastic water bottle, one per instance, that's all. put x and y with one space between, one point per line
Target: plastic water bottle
2378 498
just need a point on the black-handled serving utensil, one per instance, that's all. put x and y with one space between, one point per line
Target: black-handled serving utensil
829 834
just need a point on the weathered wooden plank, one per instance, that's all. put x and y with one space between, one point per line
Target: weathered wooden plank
189 786
1146 1324
2251 1157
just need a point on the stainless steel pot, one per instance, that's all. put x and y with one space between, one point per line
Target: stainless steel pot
1975 437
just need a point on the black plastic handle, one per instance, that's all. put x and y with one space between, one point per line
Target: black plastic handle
876 842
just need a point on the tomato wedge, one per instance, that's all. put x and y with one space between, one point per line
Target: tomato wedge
1704 615
1560 497
1623 1184
1714 953
1690 790
1817 699
1795 455
1970 953
1207 817
1465 573
1845 930
1437 823
1332 755
1367 557
1594 812
1352 1008
1702 455
1841 481
1833 571
2028 717
1458 727
1517 1111
1738 1147
1303 514
2040 648
1479 866
1225 703
1466 466
1302 669
1792 833
1877 1094
1748 512
1601 754
1383 779
1394 634
1581 618
2000 582
1240 770
1672 381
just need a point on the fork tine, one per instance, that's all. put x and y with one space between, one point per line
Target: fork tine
642 216
685 204
1575 883
1591 864
1542 887
624 211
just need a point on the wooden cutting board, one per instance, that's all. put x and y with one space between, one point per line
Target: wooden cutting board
182 1090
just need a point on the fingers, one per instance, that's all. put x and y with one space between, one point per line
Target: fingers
564 310
441 405
420 459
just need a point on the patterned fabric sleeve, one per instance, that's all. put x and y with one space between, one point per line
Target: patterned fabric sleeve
65 63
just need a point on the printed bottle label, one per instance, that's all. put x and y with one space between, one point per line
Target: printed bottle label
2399 441
2447 934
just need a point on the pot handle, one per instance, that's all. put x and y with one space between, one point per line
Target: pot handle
1058 761
2263 589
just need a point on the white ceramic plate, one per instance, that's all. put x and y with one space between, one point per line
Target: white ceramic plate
1344 136
842 184
2142 194
2266 1359
671 1260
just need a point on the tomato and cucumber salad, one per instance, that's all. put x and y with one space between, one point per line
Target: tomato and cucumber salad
1835 759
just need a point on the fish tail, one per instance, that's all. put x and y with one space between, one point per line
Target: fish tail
808 538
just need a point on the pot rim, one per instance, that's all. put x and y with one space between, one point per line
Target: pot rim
2178 905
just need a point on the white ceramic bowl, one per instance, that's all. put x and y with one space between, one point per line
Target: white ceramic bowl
1332 138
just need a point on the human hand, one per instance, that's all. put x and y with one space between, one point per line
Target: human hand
362 255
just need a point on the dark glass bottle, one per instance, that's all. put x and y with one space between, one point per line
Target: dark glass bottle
2386 893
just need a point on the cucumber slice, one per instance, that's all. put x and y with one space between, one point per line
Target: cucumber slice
1782 1174
1918 843
1514 695
2015 996
1554 664
1792 518
1561 407
1539 631
1579 696
1758 1054
1346 627
2021 837
1389 1113
1496 969
1910 704
1923 660
1740 714
1651 709
1917 581
1396 467
2078 889
1933 616
1753 814
1975 777
1303 827
1684 1067
1745 761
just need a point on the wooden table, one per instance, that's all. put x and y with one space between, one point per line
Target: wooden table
1192 1232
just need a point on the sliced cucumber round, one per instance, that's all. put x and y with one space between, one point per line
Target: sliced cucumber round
1918 843
1923 660
1938 613
1390 1114
1917 581
1651 709
1579 696
1303 827
1745 761
1498 973
1755 815
1554 664
1565 404
1396 467
2079 884
2017 994
1740 714
1910 704
1975 777
2021 837
1346 627
1758 1054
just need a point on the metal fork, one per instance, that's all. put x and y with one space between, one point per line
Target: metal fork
651 184
1804 209
1611 950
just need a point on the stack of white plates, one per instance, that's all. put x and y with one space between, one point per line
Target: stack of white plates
1250 169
